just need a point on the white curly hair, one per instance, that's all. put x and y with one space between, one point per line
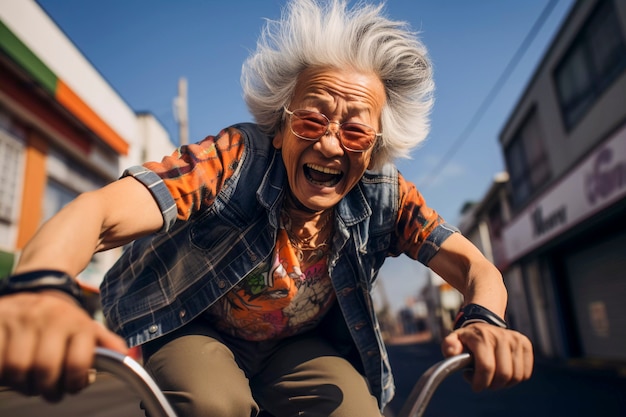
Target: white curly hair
313 33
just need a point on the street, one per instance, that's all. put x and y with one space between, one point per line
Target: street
552 391
107 397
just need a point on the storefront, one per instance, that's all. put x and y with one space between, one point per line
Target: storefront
566 257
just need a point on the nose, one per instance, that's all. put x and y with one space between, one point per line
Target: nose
330 143
331 129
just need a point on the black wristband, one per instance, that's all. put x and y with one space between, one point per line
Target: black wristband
40 280
475 313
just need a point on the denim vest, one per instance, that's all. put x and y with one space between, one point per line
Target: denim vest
163 281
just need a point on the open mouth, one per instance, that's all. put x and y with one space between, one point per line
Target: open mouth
319 175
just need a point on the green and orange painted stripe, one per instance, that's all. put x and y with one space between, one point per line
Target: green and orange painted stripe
41 74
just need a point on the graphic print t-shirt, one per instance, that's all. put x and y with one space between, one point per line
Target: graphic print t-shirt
278 299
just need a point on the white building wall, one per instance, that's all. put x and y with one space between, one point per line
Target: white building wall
146 137
41 35
156 142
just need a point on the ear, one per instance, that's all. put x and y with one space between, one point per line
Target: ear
277 141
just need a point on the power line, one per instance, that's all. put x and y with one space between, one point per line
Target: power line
465 134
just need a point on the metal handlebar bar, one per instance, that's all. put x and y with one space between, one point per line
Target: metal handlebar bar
156 405
131 372
425 387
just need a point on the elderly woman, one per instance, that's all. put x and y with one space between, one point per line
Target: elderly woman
250 285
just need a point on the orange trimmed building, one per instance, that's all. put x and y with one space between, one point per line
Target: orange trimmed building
63 130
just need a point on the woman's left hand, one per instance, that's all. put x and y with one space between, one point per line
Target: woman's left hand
502 357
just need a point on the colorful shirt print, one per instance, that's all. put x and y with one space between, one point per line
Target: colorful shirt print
277 300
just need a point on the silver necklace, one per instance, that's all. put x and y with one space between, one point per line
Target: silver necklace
302 246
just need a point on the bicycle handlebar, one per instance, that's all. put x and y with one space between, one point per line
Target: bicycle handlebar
425 387
156 405
131 372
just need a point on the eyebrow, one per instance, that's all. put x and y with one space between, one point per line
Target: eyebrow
353 110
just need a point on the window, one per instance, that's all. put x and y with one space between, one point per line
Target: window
11 156
496 221
56 197
594 60
527 161
67 178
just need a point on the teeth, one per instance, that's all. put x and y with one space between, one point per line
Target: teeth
324 169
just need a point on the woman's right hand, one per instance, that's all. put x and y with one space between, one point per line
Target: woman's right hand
47 344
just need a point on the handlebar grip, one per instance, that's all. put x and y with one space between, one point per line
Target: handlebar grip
425 387
132 373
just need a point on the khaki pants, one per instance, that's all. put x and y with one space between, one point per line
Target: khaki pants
204 374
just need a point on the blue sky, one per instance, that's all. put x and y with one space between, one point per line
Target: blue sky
142 47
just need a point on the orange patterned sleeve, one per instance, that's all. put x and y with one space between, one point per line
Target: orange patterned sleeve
416 221
194 174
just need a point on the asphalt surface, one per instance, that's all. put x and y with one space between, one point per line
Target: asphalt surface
554 390
107 397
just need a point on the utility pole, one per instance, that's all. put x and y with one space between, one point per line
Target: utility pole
180 112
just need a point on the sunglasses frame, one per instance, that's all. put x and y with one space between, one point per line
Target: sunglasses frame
340 133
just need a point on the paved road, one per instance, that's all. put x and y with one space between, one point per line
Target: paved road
553 390
107 397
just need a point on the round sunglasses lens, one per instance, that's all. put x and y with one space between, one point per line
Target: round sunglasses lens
357 137
308 124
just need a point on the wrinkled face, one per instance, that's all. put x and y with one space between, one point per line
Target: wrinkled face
322 172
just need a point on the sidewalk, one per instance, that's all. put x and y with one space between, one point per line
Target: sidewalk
407 339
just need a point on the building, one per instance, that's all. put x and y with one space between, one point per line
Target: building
564 246
482 222
441 304
63 130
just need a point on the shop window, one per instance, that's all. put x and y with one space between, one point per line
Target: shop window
593 61
67 178
496 221
55 198
11 156
527 161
